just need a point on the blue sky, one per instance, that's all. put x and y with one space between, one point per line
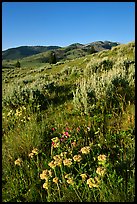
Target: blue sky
64 23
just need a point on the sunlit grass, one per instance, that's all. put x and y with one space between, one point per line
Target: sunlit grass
70 148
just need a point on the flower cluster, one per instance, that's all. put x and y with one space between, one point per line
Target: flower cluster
18 112
55 142
102 159
63 154
10 113
101 171
85 150
55 180
69 179
45 185
93 182
67 162
18 162
63 159
65 136
58 160
77 158
83 176
52 164
34 152
44 176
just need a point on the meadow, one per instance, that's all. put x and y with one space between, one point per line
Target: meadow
68 129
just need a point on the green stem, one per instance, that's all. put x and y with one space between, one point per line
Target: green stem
77 194
48 198
57 184
58 190
109 181
63 178
94 195
76 169
38 163
84 191
51 151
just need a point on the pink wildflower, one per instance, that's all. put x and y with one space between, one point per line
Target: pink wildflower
66 133
53 143
62 139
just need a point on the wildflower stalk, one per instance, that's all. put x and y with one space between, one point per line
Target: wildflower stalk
38 164
77 194
48 197
109 181
57 185
59 190
79 165
76 169
51 151
94 195
84 191
63 178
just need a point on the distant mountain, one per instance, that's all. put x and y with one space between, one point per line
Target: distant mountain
72 51
25 51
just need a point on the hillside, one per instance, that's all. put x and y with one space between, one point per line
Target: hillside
68 129
75 49
25 51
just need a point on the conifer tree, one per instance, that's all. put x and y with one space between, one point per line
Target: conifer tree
17 64
52 59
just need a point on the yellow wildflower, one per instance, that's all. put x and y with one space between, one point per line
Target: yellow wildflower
55 139
58 162
45 185
50 173
18 162
56 157
63 154
84 176
23 107
67 176
101 171
44 174
67 162
93 182
55 145
35 151
77 158
97 179
102 158
70 181
55 142
18 113
85 150
52 164
9 113
55 180
31 155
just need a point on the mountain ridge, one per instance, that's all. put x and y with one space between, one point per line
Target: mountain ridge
82 49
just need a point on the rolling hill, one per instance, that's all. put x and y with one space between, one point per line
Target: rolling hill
70 52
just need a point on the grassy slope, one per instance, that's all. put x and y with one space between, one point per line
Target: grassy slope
60 113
